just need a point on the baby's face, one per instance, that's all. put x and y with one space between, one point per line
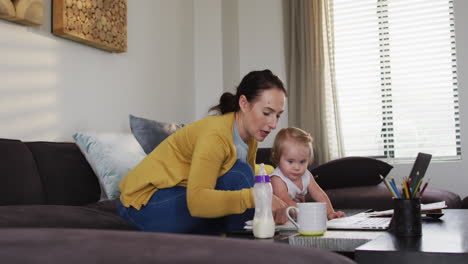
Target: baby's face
294 159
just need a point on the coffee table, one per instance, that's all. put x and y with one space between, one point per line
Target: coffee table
443 240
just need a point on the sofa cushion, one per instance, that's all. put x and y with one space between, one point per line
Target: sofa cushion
76 246
109 206
111 156
377 197
67 177
465 203
150 133
60 216
351 172
20 180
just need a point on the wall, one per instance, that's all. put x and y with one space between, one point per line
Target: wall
208 59
251 35
51 87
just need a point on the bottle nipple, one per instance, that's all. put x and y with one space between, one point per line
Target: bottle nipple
262 169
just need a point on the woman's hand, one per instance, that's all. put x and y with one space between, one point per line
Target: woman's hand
336 214
279 210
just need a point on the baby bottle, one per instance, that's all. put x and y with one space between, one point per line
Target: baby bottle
263 222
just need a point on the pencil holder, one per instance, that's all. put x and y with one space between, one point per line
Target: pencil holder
406 220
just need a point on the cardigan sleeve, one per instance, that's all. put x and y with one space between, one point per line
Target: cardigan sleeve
210 154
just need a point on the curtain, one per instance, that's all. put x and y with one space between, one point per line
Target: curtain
312 96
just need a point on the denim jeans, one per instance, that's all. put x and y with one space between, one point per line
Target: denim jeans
167 209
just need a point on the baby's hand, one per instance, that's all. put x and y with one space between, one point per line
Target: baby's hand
299 198
337 214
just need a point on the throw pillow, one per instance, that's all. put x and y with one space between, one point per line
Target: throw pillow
149 133
351 172
111 156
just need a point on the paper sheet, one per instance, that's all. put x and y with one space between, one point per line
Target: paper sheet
424 207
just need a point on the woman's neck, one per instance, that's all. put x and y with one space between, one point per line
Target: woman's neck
240 126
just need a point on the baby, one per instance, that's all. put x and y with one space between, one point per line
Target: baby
292 153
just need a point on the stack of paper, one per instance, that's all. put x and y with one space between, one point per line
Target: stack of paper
424 207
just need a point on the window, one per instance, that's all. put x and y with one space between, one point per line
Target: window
396 77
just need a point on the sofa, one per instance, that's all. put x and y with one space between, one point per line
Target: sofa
51 212
355 183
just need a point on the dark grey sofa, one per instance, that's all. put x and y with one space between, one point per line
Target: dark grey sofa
50 213
75 246
353 183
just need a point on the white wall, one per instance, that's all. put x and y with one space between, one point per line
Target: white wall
51 87
208 62
181 56
252 39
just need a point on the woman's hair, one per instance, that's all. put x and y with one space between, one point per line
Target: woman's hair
296 134
251 86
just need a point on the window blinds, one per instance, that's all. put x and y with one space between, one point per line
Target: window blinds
396 78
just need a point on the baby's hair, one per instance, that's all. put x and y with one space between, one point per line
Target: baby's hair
294 133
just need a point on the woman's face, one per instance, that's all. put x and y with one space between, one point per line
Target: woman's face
260 117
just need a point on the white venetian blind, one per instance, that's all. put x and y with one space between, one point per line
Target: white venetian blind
396 78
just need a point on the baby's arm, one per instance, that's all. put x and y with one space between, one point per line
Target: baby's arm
319 195
281 190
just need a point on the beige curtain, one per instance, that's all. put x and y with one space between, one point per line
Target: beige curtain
310 75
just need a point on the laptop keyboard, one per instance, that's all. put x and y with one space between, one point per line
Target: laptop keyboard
373 222
353 222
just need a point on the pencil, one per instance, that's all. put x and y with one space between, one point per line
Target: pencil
416 189
388 187
405 187
423 189
395 189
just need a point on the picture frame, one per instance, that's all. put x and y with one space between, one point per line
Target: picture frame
98 23
26 12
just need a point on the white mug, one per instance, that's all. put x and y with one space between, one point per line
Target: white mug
311 218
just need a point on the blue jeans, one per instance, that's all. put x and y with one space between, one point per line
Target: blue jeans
167 209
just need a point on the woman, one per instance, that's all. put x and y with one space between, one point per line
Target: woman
200 179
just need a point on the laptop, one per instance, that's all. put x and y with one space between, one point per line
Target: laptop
359 221
419 167
362 221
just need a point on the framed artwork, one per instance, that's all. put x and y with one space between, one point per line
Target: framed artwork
27 12
98 23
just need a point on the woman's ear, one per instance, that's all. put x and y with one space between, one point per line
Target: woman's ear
243 103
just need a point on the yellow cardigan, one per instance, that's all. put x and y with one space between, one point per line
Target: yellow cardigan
193 157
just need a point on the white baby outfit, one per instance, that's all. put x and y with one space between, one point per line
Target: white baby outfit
293 190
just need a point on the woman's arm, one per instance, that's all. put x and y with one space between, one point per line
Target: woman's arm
208 158
319 195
